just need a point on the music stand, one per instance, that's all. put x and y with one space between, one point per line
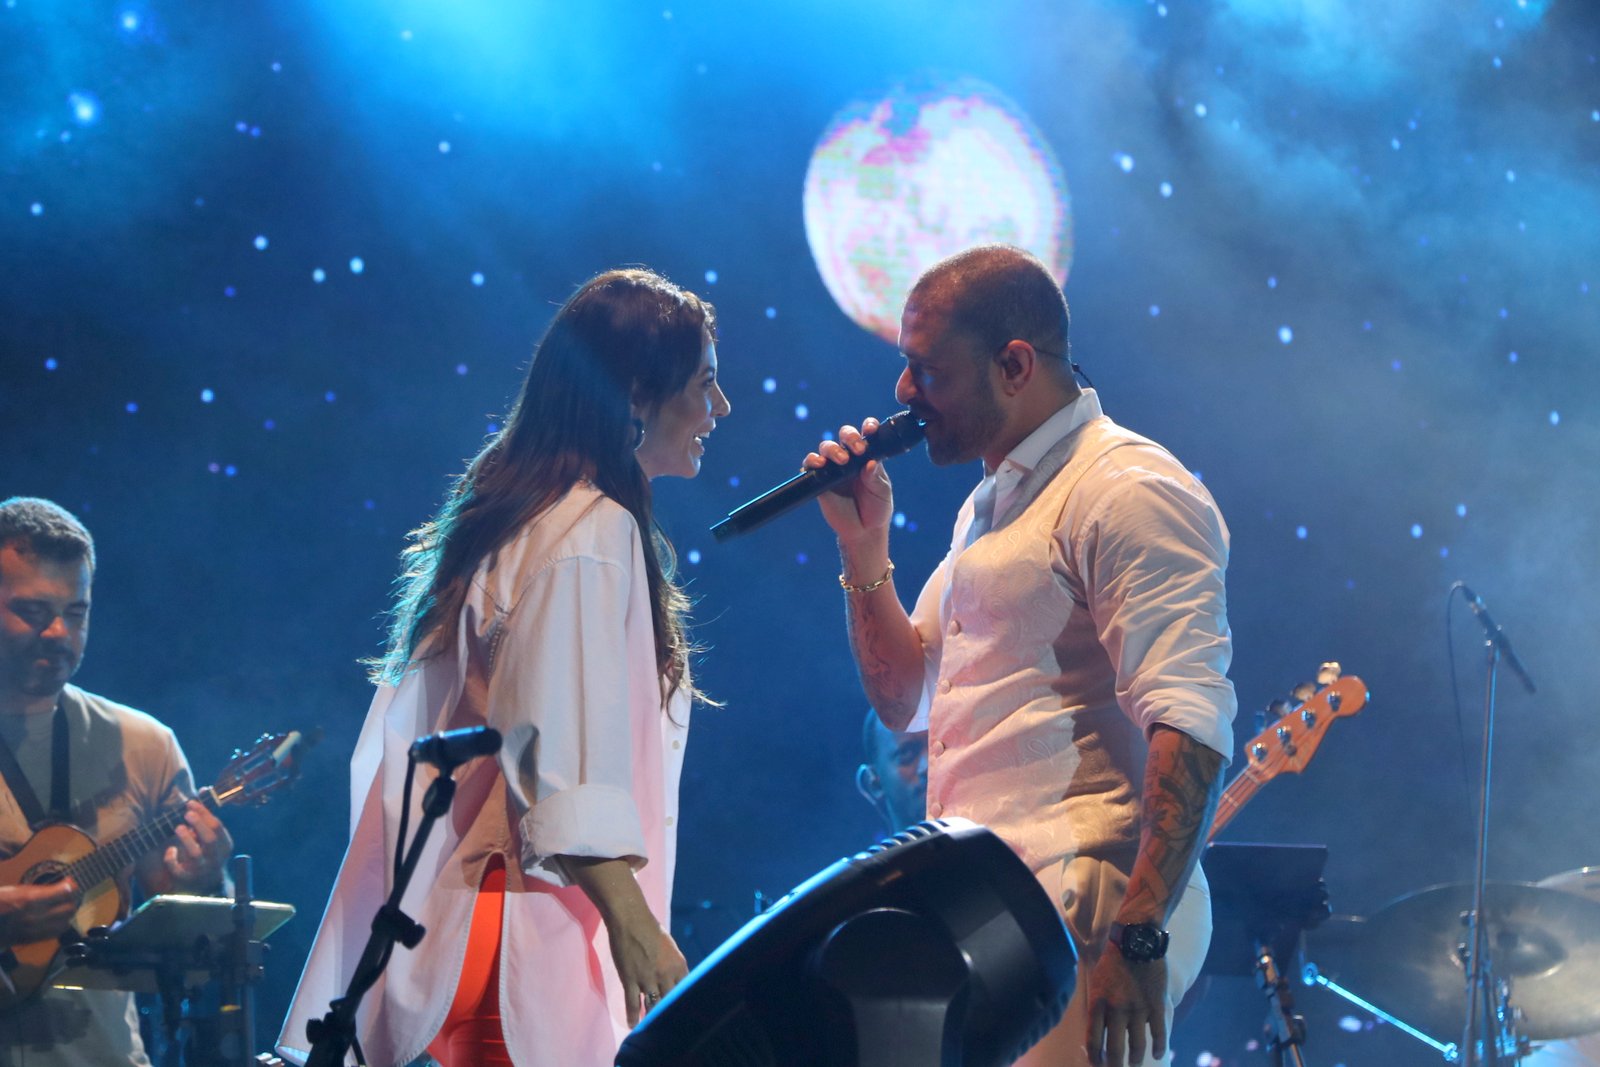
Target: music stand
174 943
1262 898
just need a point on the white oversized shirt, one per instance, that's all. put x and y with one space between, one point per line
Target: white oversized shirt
1091 609
555 648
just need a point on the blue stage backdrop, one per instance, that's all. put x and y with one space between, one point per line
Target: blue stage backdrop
272 271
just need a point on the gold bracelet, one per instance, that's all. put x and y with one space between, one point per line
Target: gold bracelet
848 588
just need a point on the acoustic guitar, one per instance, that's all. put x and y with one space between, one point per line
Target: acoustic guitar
61 850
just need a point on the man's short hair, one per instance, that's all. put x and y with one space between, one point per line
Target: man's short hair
1000 293
41 528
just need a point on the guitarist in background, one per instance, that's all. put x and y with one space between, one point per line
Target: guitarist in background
72 756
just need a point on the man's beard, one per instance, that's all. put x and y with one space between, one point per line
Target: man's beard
980 423
36 680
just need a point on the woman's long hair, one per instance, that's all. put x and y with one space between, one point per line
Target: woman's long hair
625 336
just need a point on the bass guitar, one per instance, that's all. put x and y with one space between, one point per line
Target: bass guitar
1289 744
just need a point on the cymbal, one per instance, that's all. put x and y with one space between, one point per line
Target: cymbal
1585 881
1407 958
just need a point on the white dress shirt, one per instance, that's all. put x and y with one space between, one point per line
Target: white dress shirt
1091 610
555 648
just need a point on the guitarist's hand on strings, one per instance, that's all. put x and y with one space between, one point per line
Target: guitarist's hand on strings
193 862
34 912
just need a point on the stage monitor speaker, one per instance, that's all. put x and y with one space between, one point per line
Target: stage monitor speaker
934 948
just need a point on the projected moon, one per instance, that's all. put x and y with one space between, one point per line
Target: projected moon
899 182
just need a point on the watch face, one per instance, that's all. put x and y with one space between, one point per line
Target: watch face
1142 942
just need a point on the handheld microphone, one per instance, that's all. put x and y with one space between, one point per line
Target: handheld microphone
1497 636
895 435
449 749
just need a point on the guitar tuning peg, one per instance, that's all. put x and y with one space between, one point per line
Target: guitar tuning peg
1274 711
1329 673
1303 692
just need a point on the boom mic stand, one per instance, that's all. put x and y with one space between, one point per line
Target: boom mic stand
333 1035
1487 1011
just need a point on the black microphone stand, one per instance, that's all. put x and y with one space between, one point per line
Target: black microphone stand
332 1036
1483 1038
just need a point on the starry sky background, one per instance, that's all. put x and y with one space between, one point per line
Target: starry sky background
1339 255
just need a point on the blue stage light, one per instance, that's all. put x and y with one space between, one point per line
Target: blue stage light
85 107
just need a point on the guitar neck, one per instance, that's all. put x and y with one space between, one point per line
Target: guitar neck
105 862
1238 793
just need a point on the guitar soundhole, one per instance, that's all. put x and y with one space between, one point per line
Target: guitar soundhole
47 873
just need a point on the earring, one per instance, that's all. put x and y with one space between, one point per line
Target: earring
638 434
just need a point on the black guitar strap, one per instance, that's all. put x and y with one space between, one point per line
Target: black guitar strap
60 776
60 766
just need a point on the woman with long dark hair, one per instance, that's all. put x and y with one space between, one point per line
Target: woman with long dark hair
540 601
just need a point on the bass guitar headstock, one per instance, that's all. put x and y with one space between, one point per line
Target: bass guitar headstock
1289 743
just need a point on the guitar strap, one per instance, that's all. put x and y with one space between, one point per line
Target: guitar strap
60 776
60 766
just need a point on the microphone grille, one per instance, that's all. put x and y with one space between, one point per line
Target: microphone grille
897 434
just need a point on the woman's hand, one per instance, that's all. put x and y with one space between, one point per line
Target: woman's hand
647 959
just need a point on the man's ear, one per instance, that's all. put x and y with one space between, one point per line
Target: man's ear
868 784
1016 364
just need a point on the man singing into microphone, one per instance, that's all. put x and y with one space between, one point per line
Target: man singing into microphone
1068 657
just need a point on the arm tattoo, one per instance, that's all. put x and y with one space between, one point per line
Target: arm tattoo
874 655
1182 784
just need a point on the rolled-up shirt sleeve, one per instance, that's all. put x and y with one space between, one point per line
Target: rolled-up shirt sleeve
1153 552
560 694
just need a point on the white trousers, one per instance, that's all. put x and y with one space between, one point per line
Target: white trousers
1089 891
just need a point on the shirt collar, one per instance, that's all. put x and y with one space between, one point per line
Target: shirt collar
1031 449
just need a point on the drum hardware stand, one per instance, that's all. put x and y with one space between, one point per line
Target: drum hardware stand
1488 1005
1310 974
1286 1030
